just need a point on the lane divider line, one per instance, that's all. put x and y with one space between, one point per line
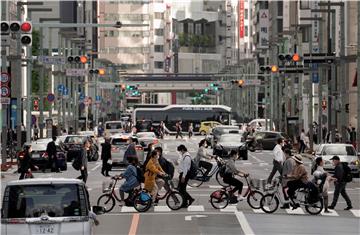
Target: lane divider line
97 166
244 224
134 224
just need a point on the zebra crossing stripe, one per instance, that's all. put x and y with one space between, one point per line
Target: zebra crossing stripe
332 213
355 212
161 209
126 209
196 208
297 211
229 209
258 211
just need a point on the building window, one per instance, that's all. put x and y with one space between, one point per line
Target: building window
280 25
159 32
305 34
158 64
246 31
159 48
190 28
246 13
280 6
304 4
159 15
198 29
180 27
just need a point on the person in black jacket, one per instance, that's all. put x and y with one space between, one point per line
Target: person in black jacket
26 163
340 184
84 161
105 156
51 151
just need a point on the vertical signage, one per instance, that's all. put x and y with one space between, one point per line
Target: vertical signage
315 27
241 19
264 29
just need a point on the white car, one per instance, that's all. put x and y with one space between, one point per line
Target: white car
47 206
119 144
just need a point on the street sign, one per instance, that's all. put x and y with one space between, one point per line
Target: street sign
60 88
50 97
51 59
5 100
76 72
5 91
65 91
97 99
82 96
315 78
5 77
254 82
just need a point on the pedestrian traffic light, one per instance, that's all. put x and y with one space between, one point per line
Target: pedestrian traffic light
36 105
241 83
323 104
26 33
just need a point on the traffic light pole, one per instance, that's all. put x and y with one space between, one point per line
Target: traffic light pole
41 90
18 78
28 93
4 114
358 79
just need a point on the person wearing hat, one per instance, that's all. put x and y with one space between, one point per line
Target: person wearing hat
340 184
106 156
288 167
298 178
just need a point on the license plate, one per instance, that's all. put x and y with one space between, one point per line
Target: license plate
35 155
45 229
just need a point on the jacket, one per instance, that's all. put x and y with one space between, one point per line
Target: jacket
153 169
299 173
84 159
131 182
105 151
25 163
51 148
288 167
202 155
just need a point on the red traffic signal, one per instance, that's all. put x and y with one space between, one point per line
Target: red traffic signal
36 105
26 27
323 104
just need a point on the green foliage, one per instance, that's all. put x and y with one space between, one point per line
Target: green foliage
35 42
35 87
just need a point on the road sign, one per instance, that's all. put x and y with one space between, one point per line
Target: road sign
5 77
52 59
76 72
5 91
82 96
66 91
60 88
255 82
97 99
50 97
315 78
5 100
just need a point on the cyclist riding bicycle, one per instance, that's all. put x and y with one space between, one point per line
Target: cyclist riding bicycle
131 179
231 171
202 157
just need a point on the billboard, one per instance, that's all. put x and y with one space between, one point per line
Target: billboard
241 19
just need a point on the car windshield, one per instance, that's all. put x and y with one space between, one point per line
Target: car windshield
113 125
56 200
146 135
227 130
119 141
232 138
75 139
338 150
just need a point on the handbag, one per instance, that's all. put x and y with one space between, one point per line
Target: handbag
109 162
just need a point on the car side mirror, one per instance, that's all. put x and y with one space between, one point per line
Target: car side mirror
98 210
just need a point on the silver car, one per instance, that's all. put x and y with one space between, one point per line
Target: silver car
346 153
119 144
146 138
228 142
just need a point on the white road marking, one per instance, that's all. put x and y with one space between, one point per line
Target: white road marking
196 208
89 189
247 163
355 212
215 186
297 211
127 209
245 226
229 209
257 159
161 209
332 213
94 168
189 217
258 211
264 164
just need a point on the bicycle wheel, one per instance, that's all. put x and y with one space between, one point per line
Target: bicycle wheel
142 205
174 200
253 199
269 203
220 180
107 201
219 199
315 208
198 180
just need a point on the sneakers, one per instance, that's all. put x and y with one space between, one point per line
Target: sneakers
241 198
348 208
327 211
191 201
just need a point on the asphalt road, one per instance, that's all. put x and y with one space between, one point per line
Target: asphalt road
201 218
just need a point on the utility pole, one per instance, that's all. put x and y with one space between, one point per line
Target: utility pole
41 86
18 78
4 107
358 78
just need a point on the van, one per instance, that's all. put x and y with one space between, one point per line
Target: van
113 127
259 124
206 127
47 206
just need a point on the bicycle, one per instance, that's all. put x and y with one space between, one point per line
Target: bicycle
200 178
269 203
107 199
220 198
174 200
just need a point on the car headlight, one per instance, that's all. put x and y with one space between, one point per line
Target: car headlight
356 163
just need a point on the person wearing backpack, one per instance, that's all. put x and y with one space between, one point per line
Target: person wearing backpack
184 175
152 170
340 183
131 179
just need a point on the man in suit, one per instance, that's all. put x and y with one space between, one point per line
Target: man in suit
51 151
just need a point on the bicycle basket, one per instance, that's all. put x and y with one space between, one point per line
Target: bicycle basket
144 197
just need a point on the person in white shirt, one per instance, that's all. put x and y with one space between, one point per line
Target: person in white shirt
302 141
184 167
203 157
279 158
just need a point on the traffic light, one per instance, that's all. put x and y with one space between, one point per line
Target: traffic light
206 90
265 69
274 69
5 28
123 87
97 71
26 33
289 57
36 105
101 71
241 83
77 59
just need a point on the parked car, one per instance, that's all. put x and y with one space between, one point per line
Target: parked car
220 130
346 153
40 157
228 142
146 138
119 144
206 127
74 143
47 206
268 139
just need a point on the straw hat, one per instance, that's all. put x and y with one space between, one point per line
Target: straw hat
298 159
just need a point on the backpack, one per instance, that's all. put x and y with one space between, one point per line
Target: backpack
192 173
140 174
77 162
169 168
347 177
